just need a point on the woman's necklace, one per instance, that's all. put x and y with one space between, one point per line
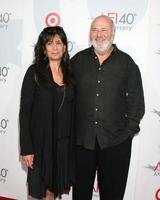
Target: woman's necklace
62 102
58 79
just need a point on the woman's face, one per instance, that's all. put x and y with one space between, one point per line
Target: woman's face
55 48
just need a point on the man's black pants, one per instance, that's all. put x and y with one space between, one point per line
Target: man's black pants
112 166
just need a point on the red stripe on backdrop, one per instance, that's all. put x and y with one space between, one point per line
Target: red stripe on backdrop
5 198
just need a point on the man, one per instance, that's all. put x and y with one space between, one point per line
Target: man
109 107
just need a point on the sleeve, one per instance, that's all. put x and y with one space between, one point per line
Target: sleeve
135 99
26 102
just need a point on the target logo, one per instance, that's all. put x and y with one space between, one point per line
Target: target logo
157 194
52 19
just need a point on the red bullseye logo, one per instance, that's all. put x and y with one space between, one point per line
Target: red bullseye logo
158 194
52 19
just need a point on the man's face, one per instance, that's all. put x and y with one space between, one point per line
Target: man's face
101 34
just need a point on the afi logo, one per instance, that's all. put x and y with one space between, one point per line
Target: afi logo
123 19
3 175
157 167
3 172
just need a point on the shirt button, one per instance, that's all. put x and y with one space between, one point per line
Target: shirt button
96 109
96 122
97 95
95 57
99 81
99 68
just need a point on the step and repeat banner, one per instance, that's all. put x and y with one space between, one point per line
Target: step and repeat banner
137 33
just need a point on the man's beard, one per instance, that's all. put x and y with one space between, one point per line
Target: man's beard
102 47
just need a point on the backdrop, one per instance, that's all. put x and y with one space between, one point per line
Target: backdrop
137 33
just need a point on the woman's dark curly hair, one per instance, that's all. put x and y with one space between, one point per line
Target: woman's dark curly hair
41 61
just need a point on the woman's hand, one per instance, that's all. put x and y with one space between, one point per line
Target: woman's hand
28 160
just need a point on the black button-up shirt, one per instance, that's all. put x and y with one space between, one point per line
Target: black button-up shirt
109 98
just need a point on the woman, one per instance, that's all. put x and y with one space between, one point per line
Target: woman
46 117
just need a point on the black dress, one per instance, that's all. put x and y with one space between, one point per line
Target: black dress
53 167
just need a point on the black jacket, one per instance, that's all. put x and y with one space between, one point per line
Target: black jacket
109 98
36 114
46 129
